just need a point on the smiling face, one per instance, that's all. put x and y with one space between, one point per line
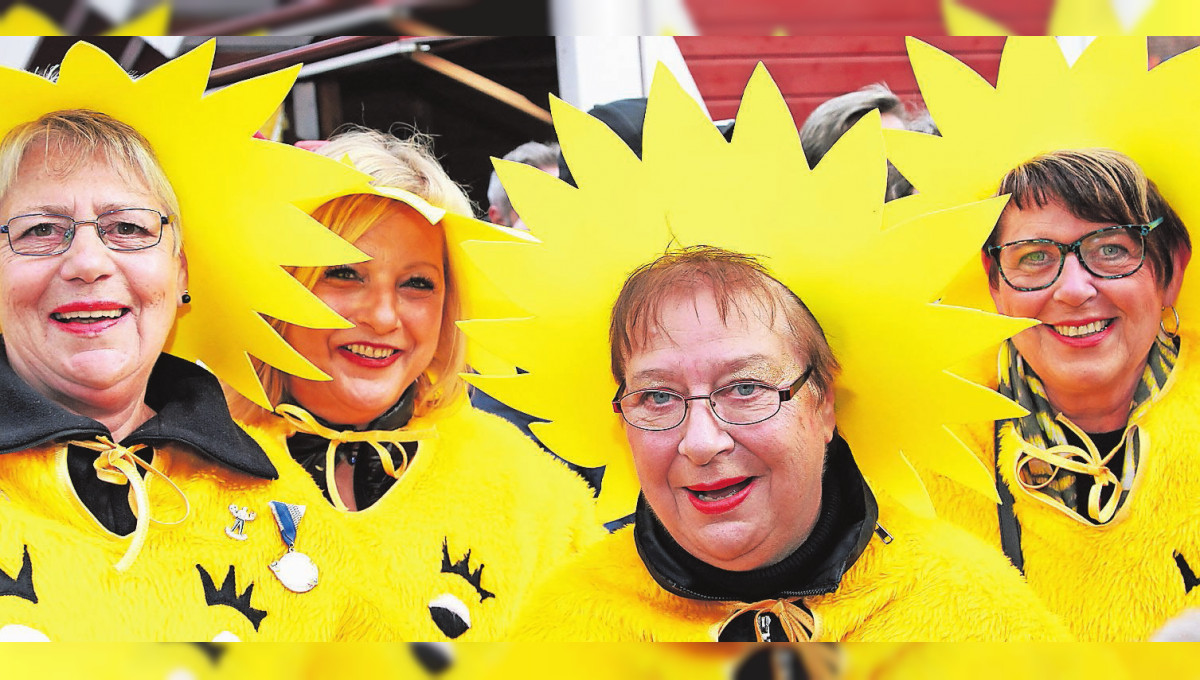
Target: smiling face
86 326
395 301
738 497
1095 333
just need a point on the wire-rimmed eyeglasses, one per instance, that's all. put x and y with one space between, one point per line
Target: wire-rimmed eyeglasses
126 229
1108 253
745 402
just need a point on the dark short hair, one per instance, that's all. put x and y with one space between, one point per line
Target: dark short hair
734 280
1102 186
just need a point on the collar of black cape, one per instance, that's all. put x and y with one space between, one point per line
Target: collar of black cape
840 535
189 409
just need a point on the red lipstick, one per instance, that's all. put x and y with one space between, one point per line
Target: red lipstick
720 505
72 317
369 362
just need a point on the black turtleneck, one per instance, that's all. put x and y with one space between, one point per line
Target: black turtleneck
370 480
840 534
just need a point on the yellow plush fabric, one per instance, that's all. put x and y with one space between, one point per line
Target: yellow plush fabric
1120 581
81 596
478 486
933 582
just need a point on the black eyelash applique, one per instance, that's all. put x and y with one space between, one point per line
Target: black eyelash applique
463 569
1185 570
227 595
22 585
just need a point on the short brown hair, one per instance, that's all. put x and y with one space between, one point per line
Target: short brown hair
1102 186
732 278
74 137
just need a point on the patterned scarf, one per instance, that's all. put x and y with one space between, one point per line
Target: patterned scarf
1047 466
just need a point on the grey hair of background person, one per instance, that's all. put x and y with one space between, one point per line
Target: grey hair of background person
829 121
536 154
898 185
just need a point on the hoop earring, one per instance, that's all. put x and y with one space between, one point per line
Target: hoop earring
1174 332
187 298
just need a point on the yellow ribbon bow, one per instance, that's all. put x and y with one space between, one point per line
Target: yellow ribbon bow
117 464
303 421
1086 461
799 625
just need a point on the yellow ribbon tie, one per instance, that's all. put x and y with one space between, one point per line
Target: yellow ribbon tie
799 625
303 421
1079 461
117 464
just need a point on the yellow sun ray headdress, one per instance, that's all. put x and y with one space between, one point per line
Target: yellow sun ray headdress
822 232
1108 98
1084 17
244 202
21 19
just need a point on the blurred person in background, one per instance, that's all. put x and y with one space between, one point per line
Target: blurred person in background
829 121
541 156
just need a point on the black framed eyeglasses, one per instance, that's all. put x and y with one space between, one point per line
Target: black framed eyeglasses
127 229
1108 253
744 402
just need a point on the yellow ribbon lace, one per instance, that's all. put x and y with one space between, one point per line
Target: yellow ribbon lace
1086 461
799 625
117 464
303 421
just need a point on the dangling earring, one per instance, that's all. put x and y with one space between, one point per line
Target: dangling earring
1162 323
187 298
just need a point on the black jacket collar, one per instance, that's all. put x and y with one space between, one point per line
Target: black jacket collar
190 410
840 535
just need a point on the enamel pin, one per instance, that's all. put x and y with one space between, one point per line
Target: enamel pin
294 569
240 517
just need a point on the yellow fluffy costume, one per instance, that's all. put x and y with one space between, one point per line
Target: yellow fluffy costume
168 534
1122 579
452 548
901 579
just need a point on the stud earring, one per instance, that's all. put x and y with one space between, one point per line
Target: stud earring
187 298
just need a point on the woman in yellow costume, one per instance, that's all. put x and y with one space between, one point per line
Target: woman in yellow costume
1095 489
131 504
725 386
446 515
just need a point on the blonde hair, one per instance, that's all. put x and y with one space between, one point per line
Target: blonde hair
74 137
402 164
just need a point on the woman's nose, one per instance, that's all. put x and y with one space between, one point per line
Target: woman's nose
704 435
87 258
380 310
1075 285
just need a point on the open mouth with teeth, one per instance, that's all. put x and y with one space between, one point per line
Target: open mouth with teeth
723 493
89 317
369 351
1084 330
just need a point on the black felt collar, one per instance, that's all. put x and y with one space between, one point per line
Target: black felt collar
841 533
189 405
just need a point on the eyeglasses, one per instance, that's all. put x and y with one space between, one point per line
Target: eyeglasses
1108 253
740 403
122 230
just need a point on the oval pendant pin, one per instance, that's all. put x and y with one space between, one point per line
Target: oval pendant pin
295 570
